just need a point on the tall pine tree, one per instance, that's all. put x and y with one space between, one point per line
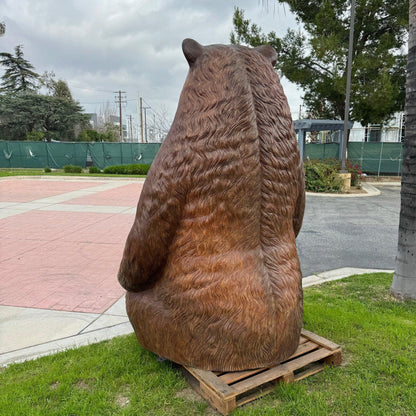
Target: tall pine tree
18 75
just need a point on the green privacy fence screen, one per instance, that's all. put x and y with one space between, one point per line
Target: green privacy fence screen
322 150
378 158
374 158
15 154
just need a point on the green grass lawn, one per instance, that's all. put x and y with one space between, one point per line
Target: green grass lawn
118 377
58 172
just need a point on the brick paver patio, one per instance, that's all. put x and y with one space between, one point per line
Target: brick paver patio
62 241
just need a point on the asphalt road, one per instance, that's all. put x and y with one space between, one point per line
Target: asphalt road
350 232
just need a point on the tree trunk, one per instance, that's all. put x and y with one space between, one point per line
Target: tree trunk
404 280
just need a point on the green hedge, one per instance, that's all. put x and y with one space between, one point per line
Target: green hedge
94 169
72 169
134 169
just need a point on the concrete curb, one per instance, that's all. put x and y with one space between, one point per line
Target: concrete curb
370 190
337 274
384 183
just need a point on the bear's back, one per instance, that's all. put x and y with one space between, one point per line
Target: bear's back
242 167
227 294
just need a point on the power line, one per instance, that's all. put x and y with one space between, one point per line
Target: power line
89 89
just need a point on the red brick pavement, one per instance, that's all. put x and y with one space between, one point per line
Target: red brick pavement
63 260
27 190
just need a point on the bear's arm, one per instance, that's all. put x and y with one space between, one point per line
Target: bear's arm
157 217
300 202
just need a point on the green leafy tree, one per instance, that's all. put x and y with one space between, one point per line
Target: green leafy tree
315 58
91 135
56 88
18 75
404 280
61 90
23 114
2 28
111 132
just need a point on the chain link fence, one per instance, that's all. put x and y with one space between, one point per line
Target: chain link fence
375 158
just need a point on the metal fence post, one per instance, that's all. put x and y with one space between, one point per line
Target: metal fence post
399 170
379 160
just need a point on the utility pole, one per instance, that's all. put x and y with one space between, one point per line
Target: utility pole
131 129
145 123
154 127
119 100
141 118
348 90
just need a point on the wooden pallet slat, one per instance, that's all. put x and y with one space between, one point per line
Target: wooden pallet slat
316 368
303 349
211 381
227 390
323 342
262 378
233 377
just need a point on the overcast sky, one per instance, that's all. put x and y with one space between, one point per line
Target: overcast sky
102 46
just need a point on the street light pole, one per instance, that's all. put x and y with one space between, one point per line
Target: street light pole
348 90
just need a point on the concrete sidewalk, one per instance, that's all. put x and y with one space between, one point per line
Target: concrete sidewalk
62 241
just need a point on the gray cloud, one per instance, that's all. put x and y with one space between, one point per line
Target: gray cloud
100 46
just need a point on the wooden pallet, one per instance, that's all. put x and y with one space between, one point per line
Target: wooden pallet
227 391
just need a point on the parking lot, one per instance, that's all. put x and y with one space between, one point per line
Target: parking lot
350 232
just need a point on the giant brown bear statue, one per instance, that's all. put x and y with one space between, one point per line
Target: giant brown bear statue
210 265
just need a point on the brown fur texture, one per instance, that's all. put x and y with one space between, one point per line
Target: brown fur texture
210 265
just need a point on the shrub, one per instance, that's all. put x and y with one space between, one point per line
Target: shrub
322 176
35 136
110 134
47 169
90 135
94 169
353 168
72 169
134 169
356 173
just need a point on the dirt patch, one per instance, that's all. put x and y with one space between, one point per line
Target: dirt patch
84 384
55 385
81 385
189 394
346 359
122 401
209 411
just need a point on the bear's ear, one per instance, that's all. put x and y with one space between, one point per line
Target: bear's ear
268 52
192 50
